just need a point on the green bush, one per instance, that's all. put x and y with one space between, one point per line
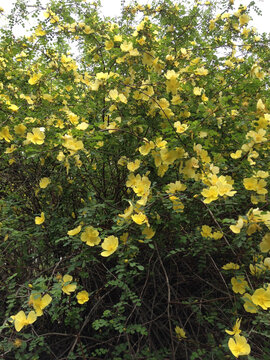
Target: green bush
134 182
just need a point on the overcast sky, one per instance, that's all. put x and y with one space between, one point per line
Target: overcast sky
112 8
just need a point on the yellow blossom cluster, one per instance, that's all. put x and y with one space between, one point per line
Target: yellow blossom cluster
238 344
180 333
37 136
90 236
164 157
252 220
230 266
207 233
140 185
5 134
255 184
219 186
39 302
172 83
239 284
72 145
260 266
20 319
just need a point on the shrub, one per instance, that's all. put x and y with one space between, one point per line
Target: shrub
134 177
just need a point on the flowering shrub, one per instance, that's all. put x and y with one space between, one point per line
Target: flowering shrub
134 182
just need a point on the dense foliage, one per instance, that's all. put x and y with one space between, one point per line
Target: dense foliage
134 183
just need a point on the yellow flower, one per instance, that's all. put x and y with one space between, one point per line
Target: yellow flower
140 218
122 98
239 284
262 174
122 161
197 91
229 63
82 297
265 243
13 107
87 29
258 137
34 79
206 231
73 118
148 232
67 288
20 319
72 144
249 306
244 19
236 328
109 44
217 235
201 71
141 185
110 244
172 84
4 134
124 237
20 129
261 297
127 212
60 156
90 236
146 148
260 189
257 269
113 94
39 31
178 206
230 266
82 126
44 182
39 302
160 143
267 263
117 38
180 333
250 183
36 137
224 186
238 226
210 194
17 342
40 219
163 103
74 231
47 13
204 98
180 128
102 76
236 155
10 149
47 97
175 187
133 166
126 46
239 346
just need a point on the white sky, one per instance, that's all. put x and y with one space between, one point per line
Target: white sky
112 8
